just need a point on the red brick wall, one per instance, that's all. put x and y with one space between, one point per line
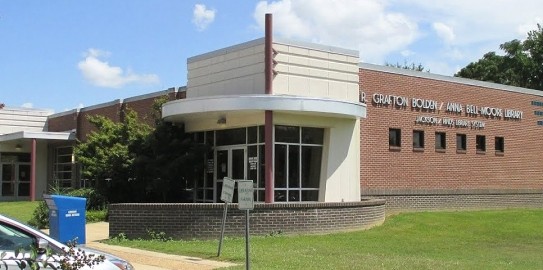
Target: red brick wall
144 107
112 112
62 123
385 171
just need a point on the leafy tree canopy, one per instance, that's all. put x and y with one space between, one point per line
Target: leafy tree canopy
108 155
132 162
412 66
522 64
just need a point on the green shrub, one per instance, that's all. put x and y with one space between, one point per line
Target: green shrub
40 216
95 200
96 215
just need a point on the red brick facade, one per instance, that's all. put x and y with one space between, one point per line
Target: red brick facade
406 170
142 105
64 122
111 111
419 178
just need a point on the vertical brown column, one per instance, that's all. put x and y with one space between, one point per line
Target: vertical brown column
33 171
268 121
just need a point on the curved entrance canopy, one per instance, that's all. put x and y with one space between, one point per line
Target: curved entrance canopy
184 109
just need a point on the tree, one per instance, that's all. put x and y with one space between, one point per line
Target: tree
108 154
169 161
411 66
132 162
522 64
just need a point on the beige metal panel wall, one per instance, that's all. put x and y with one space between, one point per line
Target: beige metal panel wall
340 174
19 119
234 70
305 71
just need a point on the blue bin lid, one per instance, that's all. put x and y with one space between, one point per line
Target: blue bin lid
63 202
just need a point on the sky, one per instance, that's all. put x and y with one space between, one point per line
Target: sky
62 54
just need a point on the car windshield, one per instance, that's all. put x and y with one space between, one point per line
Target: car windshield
12 239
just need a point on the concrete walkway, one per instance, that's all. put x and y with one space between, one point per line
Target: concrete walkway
143 259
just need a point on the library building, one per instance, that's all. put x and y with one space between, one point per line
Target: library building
310 123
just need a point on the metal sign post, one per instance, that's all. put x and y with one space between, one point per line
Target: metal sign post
226 196
246 202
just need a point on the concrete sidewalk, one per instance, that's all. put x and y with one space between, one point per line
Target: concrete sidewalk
146 260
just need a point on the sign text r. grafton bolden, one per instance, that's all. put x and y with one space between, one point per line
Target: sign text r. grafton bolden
430 105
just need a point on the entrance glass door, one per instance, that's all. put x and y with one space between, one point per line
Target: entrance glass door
15 179
8 179
23 188
231 162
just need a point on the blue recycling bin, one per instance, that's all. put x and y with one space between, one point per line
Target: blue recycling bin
66 218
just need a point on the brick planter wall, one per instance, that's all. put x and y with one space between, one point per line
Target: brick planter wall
189 221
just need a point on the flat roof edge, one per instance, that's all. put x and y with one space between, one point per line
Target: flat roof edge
438 77
278 40
151 95
44 135
64 113
101 105
226 50
316 46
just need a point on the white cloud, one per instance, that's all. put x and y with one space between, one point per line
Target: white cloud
407 53
452 33
524 28
101 73
27 105
202 17
443 31
364 25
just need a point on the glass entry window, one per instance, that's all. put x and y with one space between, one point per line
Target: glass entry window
239 154
231 162
15 174
298 157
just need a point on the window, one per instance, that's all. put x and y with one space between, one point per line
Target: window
441 141
64 166
500 144
480 143
538 113
461 142
394 137
298 156
537 103
418 139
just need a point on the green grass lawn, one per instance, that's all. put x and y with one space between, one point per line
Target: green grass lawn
21 211
508 239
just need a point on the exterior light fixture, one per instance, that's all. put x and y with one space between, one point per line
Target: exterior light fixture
222 121
18 147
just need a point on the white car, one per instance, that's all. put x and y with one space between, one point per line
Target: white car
15 235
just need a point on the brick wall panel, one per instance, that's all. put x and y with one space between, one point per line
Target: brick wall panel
520 167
